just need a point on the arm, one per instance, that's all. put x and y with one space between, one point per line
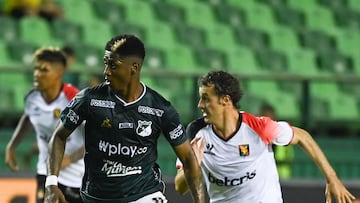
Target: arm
73 157
180 181
22 129
334 186
56 153
191 171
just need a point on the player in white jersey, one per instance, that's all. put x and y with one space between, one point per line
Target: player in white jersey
43 105
234 148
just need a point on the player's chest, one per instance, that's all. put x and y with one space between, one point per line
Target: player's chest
126 120
237 150
45 114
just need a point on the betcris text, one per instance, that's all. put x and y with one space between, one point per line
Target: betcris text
226 181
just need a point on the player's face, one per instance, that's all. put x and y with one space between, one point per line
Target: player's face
118 72
210 104
47 75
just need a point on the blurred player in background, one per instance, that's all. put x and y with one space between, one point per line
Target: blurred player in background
46 9
70 77
124 119
284 155
43 105
234 148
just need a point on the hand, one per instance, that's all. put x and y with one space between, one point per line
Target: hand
337 189
198 149
54 195
10 159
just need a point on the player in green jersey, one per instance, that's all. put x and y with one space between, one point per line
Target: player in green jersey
124 119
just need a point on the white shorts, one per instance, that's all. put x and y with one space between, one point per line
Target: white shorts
157 197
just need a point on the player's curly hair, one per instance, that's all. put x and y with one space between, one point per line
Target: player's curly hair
224 84
126 45
50 54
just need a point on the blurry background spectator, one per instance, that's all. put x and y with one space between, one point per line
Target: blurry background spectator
70 77
44 8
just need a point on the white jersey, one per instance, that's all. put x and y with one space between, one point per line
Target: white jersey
44 118
242 168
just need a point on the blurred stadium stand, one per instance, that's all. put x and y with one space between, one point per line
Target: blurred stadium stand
302 57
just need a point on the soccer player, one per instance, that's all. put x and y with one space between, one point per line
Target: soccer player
234 148
124 119
43 105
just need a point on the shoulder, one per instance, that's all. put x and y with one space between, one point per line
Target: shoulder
98 90
266 128
31 94
195 126
253 121
157 97
70 91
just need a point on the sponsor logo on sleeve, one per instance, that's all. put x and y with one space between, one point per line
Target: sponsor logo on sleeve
71 103
102 103
73 117
144 128
177 132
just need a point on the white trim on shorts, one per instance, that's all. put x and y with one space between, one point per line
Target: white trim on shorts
156 197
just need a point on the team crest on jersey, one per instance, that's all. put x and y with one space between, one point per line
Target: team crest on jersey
244 150
144 128
56 113
106 123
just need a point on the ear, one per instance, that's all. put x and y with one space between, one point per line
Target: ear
226 100
135 67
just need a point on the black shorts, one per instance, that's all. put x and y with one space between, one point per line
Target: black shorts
72 195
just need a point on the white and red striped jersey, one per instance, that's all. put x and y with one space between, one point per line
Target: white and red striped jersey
44 118
242 168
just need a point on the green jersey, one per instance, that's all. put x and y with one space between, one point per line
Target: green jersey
121 141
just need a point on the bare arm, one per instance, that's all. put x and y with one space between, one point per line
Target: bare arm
57 148
22 129
191 171
180 182
334 186
56 153
73 157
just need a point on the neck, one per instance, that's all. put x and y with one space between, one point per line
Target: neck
51 94
131 93
228 124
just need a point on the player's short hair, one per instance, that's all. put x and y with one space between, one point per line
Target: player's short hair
68 50
126 45
50 54
224 84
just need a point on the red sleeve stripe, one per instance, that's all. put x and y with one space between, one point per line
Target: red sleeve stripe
263 126
70 91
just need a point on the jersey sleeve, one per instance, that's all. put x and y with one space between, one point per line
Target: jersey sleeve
192 131
75 112
270 131
70 91
172 128
285 134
